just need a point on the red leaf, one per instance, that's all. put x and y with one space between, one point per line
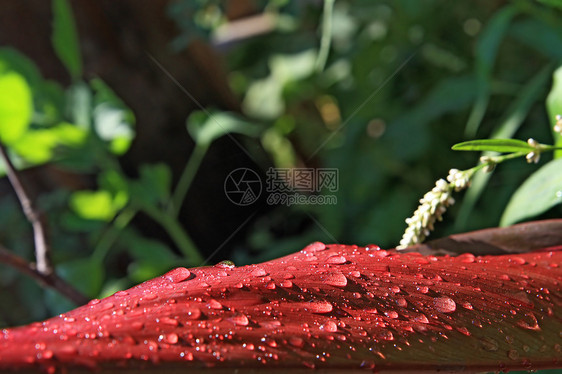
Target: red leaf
333 307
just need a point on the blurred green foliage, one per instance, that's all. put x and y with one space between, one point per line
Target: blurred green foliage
403 81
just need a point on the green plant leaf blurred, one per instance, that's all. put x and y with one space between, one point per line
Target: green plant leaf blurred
94 205
65 38
540 192
113 120
494 145
553 3
153 186
206 127
40 145
554 107
16 106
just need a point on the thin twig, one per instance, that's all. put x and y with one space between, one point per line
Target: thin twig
51 280
39 233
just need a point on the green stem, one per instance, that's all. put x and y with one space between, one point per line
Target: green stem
176 232
186 179
326 39
111 235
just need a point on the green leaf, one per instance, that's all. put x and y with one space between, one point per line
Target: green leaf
65 38
553 3
494 145
486 51
113 182
540 192
48 96
554 107
80 104
16 107
85 274
94 205
154 184
508 126
40 146
113 120
205 128
151 258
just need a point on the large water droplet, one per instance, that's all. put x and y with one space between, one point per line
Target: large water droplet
421 318
336 279
225 264
171 338
466 258
286 284
240 320
444 304
314 247
177 275
336 260
329 326
529 322
319 307
258 272
214 304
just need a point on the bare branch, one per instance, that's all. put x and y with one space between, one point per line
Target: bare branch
33 216
51 280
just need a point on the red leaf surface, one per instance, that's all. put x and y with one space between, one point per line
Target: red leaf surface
334 307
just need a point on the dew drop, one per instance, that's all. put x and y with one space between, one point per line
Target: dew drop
444 304
423 289
225 264
315 247
529 322
193 313
258 272
214 304
401 302
319 307
329 326
240 320
421 318
120 293
177 275
518 260
466 258
336 279
171 338
336 260
286 284
94 302
391 314
270 286
355 274
386 335
169 321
